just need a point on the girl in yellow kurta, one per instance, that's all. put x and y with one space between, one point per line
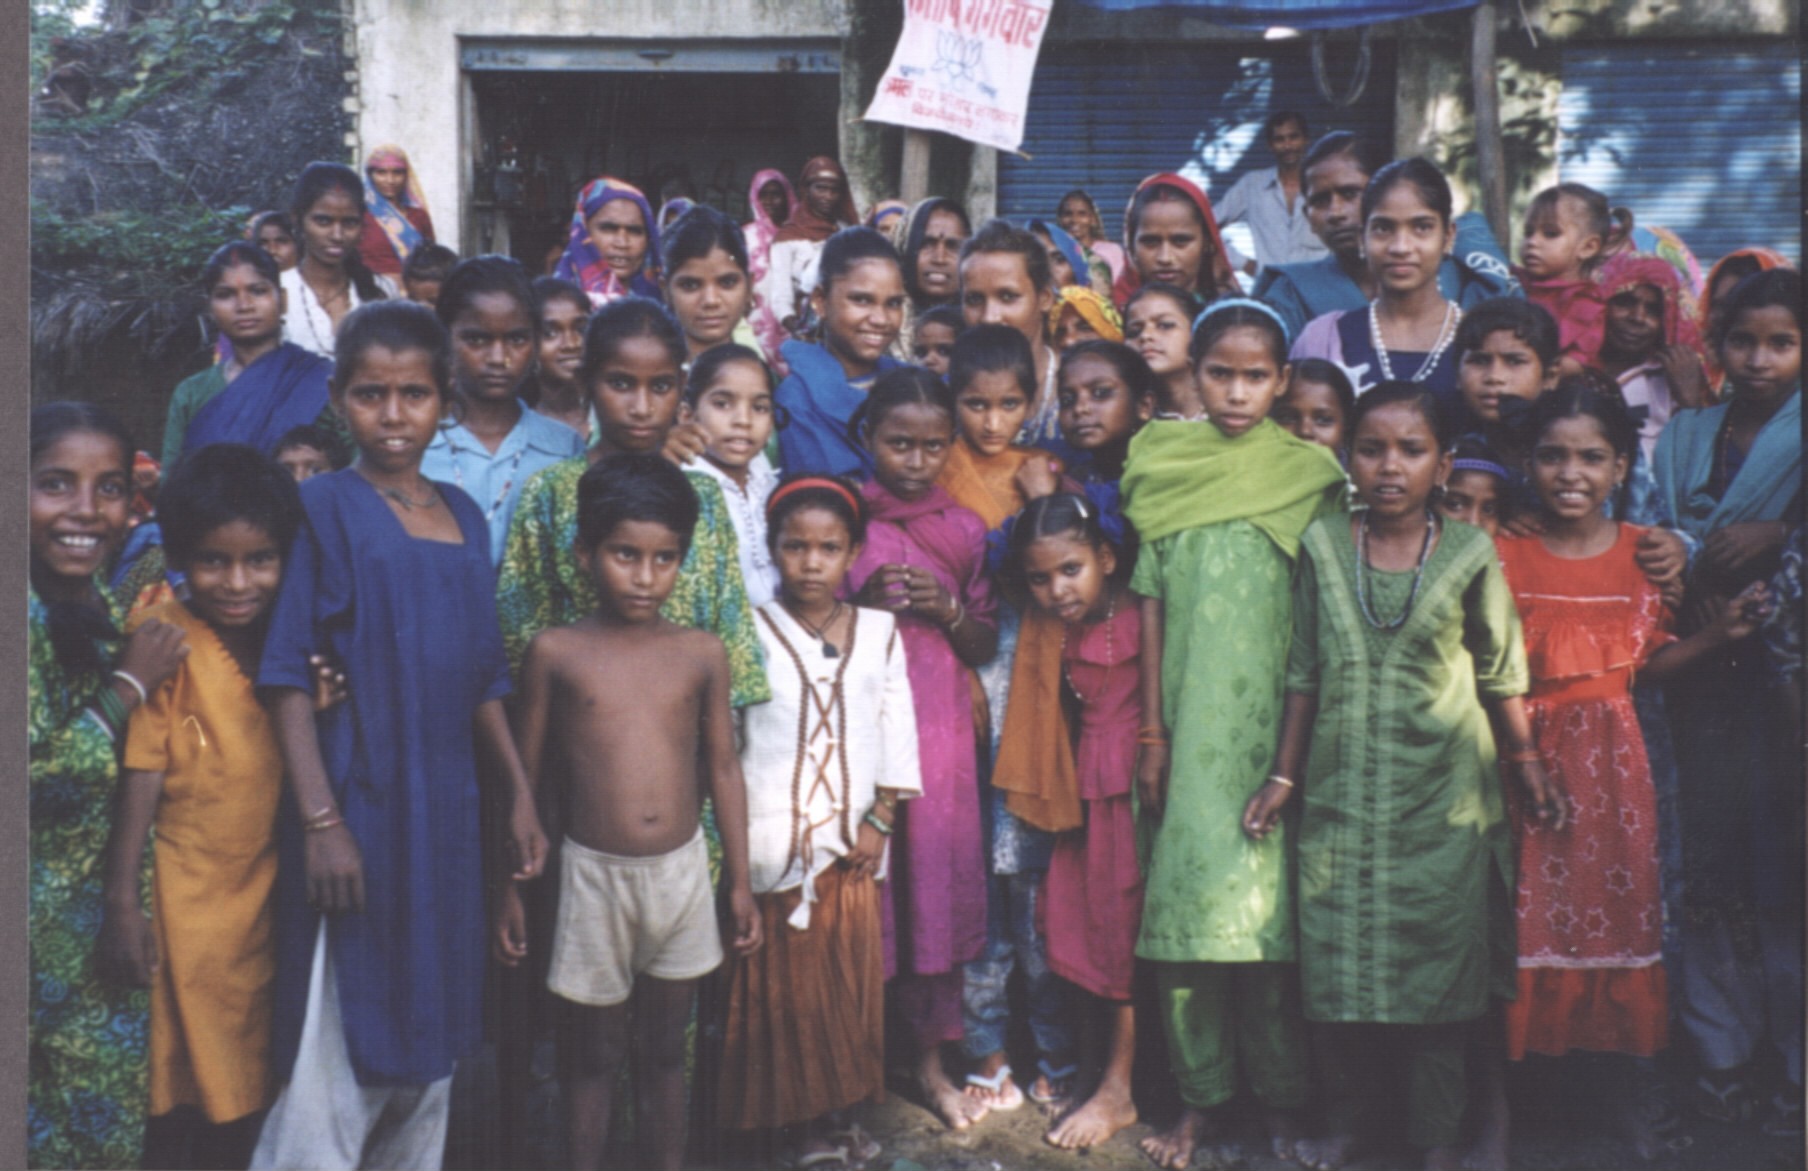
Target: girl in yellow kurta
203 770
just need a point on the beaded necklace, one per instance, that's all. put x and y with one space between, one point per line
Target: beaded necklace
1446 335
458 474
1364 572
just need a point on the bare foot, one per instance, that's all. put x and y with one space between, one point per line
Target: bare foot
1445 1158
1173 1148
1325 1154
956 1109
1104 1114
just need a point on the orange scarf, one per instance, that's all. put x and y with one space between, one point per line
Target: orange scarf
1035 767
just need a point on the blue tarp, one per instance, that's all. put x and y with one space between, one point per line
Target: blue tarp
1300 14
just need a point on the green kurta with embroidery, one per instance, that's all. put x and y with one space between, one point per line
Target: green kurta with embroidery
1401 831
542 585
86 1069
1211 893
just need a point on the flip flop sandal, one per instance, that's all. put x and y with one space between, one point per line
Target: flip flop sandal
1721 1099
1002 1099
1060 1084
1785 1117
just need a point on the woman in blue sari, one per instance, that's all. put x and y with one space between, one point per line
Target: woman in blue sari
268 385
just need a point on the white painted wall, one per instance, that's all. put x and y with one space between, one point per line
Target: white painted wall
408 75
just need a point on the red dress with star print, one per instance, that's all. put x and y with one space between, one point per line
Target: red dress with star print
1590 917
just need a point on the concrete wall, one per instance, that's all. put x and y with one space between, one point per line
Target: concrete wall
409 90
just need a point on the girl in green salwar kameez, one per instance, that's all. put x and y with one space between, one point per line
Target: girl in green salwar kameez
1220 506
1406 647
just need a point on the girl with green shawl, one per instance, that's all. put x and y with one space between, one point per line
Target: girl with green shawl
1220 506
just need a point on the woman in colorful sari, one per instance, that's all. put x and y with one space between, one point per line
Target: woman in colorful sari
396 221
613 245
773 204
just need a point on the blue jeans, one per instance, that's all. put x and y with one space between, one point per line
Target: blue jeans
1011 940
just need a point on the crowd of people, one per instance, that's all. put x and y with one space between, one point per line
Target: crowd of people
743 636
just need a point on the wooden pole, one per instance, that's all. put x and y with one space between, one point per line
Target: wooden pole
913 177
1490 153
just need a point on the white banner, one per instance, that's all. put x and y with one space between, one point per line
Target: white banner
963 67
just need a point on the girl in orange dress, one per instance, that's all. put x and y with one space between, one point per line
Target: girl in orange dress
1591 974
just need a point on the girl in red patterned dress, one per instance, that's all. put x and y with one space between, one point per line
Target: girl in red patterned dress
1591 974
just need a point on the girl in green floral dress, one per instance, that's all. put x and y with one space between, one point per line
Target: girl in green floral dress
87 1028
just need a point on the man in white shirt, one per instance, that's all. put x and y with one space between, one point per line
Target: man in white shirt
1269 201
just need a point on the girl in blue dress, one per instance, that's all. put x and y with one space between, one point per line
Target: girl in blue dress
379 900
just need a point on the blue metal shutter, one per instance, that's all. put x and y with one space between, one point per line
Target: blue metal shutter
1702 139
1105 117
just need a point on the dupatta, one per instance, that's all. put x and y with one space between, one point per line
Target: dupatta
1182 475
1631 269
282 390
1768 481
404 237
1130 280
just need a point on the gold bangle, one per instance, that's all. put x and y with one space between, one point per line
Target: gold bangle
1278 779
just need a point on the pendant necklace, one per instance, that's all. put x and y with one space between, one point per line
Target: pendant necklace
397 495
1364 588
829 649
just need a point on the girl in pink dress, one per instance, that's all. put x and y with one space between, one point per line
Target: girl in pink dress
924 561
1093 902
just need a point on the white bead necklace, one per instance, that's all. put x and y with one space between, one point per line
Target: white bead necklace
1446 335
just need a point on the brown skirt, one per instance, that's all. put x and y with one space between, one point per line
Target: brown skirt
806 1016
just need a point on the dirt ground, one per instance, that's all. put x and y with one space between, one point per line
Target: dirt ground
1551 1134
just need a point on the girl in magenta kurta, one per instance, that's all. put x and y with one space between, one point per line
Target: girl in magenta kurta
924 560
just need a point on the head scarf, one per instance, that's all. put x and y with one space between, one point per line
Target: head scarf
674 207
1629 269
1219 271
1067 245
907 237
1766 259
884 210
1098 312
403 235
584 266
761 229
804 223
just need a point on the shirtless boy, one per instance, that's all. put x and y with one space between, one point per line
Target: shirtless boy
634 709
